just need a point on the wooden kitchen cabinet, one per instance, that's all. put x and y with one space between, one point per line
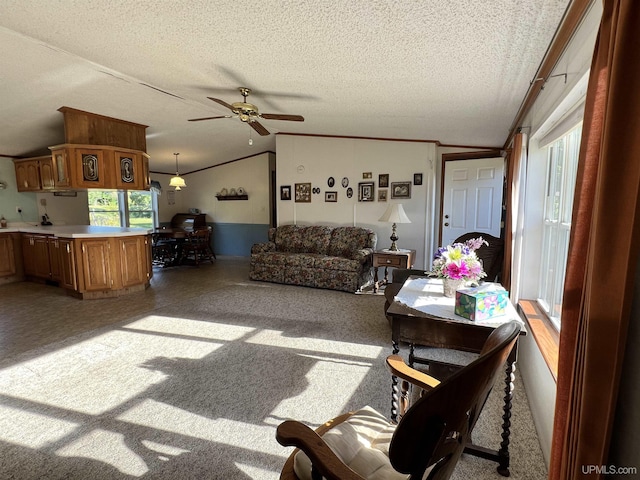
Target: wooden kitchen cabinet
7 256
35 255
67 260
27 175
94 265
92 171
112 266
134 260
35 174
61 168
88 267
11 269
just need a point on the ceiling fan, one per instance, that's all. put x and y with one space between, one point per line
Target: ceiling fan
249 113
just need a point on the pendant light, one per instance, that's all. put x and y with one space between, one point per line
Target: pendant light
177 181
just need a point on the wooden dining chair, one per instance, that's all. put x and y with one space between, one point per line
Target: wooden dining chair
198 247
428 440
490 255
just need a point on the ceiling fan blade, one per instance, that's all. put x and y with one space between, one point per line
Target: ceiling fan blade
259 128
278 116
207 118
221 102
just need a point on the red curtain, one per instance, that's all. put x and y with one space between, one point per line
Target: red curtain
603 250
514 165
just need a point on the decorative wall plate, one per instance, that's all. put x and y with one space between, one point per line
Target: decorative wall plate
345 182
349 192
331 181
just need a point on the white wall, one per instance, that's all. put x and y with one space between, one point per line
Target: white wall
302 159
251 173
64 210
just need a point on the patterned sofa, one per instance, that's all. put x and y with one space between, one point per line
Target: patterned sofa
319 256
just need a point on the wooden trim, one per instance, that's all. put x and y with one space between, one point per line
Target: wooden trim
570 23
447 157
97 115
477 147
544 333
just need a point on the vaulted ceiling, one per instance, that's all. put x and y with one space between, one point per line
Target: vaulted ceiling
453 72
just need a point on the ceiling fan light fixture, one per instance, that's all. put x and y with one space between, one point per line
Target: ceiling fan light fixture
177 181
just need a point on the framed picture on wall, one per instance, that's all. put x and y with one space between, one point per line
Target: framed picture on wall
285 192
382 195
383 180
366 192
417 179
330 196
303 192
400 189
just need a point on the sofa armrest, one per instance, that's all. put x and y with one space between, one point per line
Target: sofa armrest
363 255
263 247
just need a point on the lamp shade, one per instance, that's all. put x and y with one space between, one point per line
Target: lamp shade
394 214
177 182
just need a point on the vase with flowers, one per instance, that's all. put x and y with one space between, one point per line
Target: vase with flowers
458 264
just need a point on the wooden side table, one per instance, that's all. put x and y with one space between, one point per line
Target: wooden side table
388 258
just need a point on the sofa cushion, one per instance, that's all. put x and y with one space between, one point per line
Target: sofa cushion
305 260
345 241
337 263
270 258
288 238
362 443
315 239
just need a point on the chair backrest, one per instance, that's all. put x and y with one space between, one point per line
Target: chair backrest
435 430
491 255
199 236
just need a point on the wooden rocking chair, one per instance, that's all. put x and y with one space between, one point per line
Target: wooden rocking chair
429 439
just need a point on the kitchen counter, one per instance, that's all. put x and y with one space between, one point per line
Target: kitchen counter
77 231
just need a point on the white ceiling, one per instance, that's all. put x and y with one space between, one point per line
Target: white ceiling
451 71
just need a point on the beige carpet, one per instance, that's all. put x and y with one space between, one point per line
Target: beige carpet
191 383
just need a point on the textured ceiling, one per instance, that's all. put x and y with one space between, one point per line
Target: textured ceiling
454 72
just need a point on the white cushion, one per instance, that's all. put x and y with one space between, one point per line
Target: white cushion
362 443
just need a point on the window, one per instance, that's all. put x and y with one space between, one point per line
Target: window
131 208
141 211
562 162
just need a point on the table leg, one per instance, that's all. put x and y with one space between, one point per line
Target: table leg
503 452
395 392
375 280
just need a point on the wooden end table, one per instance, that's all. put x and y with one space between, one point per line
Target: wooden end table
388 258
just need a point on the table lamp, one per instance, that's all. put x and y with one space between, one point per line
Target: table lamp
394 214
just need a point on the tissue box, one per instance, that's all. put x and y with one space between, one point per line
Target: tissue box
483 302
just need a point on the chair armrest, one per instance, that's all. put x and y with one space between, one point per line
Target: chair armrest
362 255
263 247
400 369
295 434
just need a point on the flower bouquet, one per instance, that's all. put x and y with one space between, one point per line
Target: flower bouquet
458 262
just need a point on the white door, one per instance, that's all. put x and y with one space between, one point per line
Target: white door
472 198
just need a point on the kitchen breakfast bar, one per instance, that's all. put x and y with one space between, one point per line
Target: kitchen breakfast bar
87 261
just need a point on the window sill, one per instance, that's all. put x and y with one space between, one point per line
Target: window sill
544 333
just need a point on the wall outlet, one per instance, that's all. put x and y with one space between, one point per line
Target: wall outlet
18 209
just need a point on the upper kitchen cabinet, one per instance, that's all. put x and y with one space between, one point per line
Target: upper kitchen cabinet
99 152
34 174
